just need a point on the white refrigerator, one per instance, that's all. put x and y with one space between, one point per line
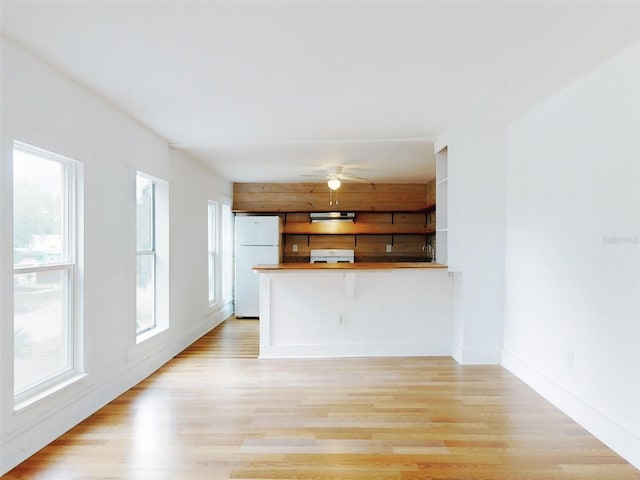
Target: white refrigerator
257 242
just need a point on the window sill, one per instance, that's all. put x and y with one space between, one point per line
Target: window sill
217 307
149 334
19 406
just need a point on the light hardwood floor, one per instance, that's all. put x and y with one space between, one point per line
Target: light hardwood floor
206 417
232 339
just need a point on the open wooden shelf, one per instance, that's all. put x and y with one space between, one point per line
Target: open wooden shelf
429 208
422 209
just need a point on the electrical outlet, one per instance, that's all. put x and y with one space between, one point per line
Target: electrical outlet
388 249
295 248
341 320
570 360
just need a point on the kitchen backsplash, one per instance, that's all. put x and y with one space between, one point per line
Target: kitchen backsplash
367 248
361 259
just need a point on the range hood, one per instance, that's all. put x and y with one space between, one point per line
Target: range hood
333 216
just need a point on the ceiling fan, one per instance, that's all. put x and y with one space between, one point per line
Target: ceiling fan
335 177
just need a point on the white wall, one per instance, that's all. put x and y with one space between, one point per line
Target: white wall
572 327
46 109
476 241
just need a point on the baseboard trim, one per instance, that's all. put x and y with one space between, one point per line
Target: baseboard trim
619 439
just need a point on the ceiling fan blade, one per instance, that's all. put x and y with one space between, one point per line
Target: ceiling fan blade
336 172
351 178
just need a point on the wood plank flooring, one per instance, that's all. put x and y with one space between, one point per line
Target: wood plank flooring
232 339
206 417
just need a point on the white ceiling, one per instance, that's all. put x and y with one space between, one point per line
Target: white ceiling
268 91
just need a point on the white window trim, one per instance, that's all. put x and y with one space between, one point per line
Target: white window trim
213 230
161 236
220 302
226 260
73 266
150 253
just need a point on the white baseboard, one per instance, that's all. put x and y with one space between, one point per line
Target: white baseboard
616 437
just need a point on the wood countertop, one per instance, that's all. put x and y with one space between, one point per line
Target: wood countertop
347 266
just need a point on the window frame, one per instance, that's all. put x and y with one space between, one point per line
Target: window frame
69 266
226 253
213 254
223 255
152 253
160 235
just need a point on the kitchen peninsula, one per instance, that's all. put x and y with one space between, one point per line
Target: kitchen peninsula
354 309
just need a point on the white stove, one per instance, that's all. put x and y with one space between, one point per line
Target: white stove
331 256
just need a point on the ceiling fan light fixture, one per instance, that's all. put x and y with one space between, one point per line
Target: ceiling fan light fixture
334 183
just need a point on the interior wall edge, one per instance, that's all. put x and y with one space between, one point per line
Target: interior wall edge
477 355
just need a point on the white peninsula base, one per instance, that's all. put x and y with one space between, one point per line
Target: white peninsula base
351 312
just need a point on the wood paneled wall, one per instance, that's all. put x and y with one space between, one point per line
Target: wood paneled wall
315 197
400 215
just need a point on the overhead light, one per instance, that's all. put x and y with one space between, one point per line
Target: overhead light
334 183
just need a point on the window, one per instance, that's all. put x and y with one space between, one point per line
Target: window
152 259
45 283
227 253
212 250
220 252
146 254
